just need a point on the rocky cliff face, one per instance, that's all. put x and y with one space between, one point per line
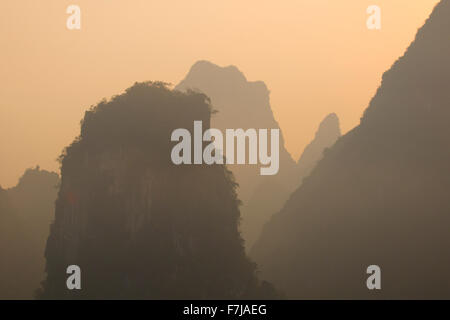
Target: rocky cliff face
26 212
380 194
138 225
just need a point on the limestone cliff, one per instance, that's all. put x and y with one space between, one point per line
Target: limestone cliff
138 225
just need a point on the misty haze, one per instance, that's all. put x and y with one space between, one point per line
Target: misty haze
225 151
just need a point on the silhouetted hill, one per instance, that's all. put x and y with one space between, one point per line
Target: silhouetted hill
239 104
26 212
270 196
245 104
138 225
326 135
34 197
380 194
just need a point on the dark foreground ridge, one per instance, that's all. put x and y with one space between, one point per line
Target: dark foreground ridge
380 194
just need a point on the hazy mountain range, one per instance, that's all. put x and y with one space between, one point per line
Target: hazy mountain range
246 104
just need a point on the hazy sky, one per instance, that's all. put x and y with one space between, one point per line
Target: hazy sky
316 57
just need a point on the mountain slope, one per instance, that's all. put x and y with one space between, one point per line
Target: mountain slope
325 137
26 212
380 194
245 104
269 197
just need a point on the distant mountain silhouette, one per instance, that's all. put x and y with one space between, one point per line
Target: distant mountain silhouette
327 134
240 104
269 197
244 104
380 195
138 225
26 212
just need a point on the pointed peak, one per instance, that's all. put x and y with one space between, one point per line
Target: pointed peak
329 126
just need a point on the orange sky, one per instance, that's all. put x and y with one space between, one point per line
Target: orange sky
316 57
